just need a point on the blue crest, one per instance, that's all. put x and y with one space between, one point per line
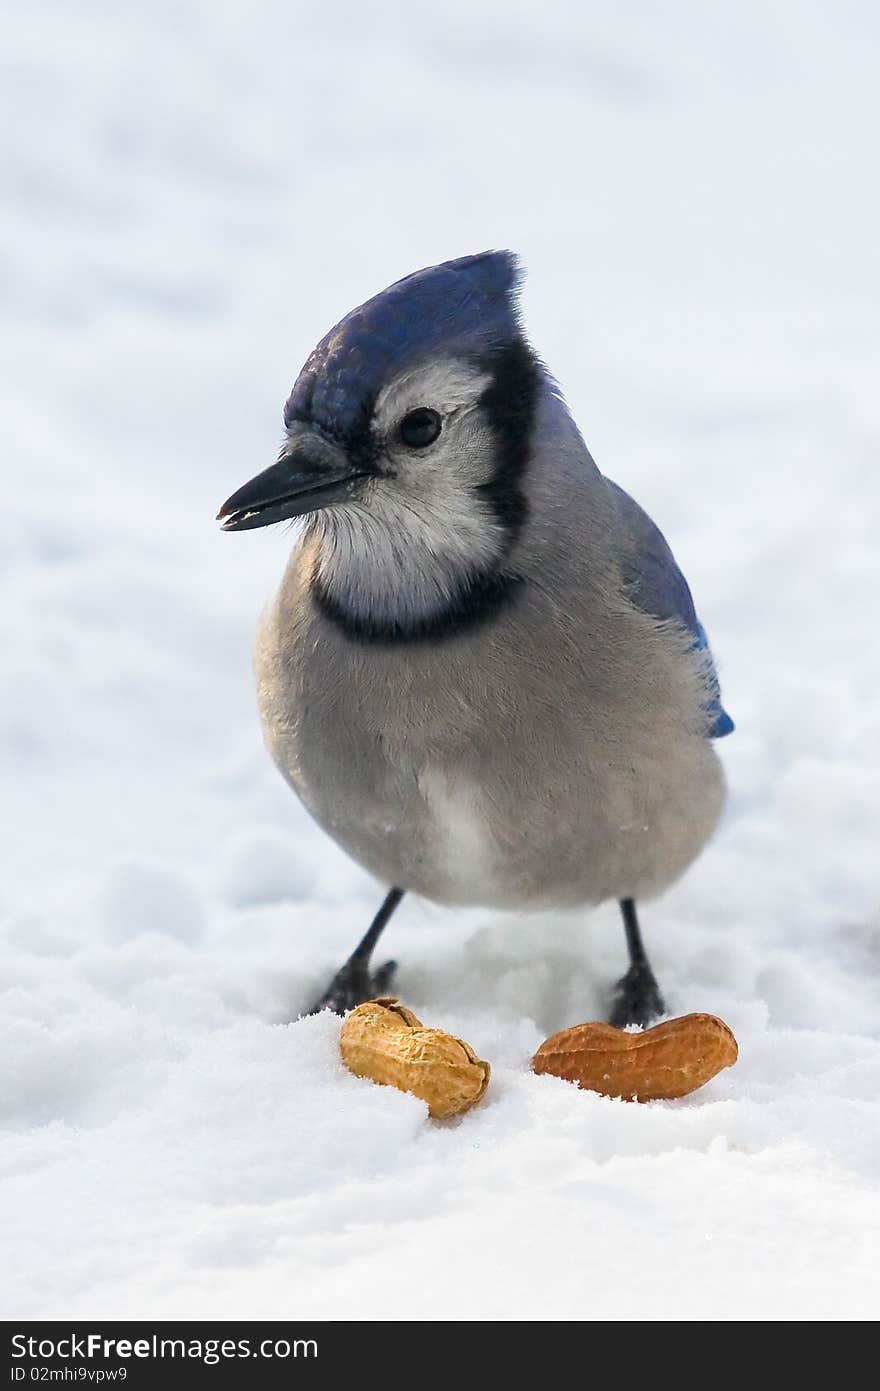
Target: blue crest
464 306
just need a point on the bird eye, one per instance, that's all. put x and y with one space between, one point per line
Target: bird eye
420 427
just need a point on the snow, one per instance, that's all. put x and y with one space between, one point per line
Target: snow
192 194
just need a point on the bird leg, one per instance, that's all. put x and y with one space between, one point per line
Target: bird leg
637 998
354 982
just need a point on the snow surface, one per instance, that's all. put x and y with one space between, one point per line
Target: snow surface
192 193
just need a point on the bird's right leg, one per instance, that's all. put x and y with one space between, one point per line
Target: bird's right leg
637 998
354 982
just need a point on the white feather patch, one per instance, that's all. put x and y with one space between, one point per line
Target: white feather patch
464 852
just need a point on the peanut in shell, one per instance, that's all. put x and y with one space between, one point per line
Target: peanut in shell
385 1041
668 1061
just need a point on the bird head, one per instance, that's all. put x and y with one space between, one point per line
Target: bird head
407 436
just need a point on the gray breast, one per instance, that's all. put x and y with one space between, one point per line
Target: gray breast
554 757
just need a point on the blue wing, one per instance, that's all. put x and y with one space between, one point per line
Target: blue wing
657 586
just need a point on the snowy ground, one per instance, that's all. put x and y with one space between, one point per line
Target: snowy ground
191 195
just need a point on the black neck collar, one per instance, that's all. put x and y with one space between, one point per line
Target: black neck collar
479 602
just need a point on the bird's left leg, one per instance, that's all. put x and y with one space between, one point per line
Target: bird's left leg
354 982
637 998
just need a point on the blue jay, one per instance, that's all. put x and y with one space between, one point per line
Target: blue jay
483 673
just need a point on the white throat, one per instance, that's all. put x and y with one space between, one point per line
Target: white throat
399 562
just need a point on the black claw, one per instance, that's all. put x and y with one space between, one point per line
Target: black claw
382 978
637 999
355 982
352 985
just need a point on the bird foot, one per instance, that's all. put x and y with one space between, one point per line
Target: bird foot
353 984
637 999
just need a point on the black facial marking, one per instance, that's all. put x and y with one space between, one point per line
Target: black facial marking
510 401
481 599
357 439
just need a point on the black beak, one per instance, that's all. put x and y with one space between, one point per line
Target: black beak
312 473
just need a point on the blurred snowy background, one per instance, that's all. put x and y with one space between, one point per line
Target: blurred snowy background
192 193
